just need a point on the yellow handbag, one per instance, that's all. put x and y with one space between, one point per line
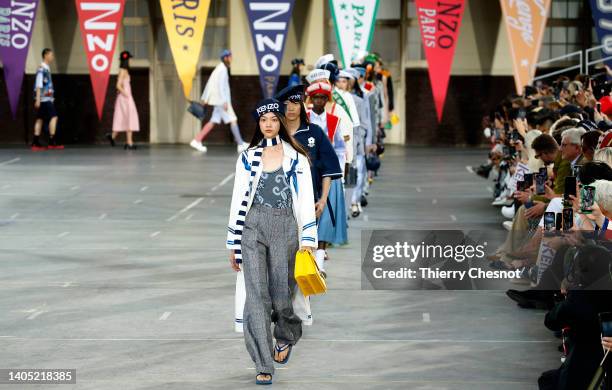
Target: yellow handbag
307 274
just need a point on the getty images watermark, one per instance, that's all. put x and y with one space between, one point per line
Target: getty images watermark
432 260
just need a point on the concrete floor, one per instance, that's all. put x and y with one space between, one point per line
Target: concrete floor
114 263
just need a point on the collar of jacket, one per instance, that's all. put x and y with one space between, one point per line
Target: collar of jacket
289 155
290 161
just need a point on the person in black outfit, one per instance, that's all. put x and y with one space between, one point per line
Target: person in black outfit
589 293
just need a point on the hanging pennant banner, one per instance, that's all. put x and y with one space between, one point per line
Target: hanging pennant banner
99 22
525 23
185 21
439 22
16 25
354 21
602 20
269 21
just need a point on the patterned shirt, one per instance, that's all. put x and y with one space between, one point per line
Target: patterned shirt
273 190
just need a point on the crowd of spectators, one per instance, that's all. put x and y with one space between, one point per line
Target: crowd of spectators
550 171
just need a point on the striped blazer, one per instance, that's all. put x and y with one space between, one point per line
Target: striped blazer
297 170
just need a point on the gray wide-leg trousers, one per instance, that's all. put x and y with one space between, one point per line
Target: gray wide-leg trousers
269 244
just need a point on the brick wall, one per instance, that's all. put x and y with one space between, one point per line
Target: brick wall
468 99
74 101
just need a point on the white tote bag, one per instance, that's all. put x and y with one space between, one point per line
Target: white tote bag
239 302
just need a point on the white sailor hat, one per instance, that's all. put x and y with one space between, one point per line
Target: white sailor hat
324 59
317 74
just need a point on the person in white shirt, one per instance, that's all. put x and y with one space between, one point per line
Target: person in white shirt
332 226
217 94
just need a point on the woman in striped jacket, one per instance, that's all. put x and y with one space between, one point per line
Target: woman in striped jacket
272 215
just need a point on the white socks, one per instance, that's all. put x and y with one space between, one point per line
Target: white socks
236 133
320 259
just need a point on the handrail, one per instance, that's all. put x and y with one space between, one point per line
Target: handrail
578 53
587 52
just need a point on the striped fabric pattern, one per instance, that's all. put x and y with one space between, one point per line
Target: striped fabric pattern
253 168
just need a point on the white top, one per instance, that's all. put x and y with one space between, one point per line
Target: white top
38 83
350 104
319 120
217 90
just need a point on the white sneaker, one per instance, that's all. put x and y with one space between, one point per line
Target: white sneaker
507 225
198 146
499 201
242 147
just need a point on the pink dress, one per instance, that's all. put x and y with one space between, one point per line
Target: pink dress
126 116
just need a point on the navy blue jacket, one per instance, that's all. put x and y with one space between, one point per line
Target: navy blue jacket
322 155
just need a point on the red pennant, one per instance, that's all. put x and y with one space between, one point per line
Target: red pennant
439 21
99 22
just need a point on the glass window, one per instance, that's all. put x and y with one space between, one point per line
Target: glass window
559 34
135 41
136 9
414 46
411 9
218 9
389 10
164 54
573 9
215 34
215 40
559 9
332 43
136 28
565 30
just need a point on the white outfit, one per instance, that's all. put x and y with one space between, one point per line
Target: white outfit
352 117
340 146
350 103
319 120
220 115
345 127
217 93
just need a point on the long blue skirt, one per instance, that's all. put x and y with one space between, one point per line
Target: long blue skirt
327 232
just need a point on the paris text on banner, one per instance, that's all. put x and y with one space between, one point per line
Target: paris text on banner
439 23
185 22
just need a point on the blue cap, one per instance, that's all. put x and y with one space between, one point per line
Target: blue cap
293 93
265 106
225 53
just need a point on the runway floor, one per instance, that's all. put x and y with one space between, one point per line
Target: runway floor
114 263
